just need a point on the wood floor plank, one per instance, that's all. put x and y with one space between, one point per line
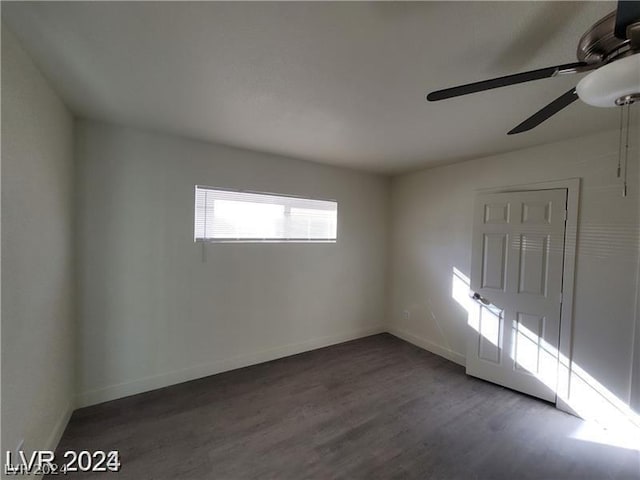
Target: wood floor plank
376 407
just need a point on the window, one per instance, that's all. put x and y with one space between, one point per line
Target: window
236 216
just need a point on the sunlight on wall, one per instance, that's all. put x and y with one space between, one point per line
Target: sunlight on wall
608 420
460 289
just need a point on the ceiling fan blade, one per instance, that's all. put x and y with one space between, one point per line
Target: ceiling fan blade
546 112
507 80
628 12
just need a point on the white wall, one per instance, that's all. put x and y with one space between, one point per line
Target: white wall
153 311
431 214
37 268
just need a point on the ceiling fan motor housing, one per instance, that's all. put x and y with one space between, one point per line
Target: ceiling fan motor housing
599 44
616 81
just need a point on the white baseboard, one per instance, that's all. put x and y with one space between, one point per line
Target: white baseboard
428 345
58 429
146 384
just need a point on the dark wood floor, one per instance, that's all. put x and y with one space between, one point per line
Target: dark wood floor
371 408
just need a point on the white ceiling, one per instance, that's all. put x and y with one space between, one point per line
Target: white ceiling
340 83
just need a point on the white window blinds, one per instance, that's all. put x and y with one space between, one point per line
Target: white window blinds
232 216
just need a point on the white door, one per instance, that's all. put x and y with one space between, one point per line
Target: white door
516 274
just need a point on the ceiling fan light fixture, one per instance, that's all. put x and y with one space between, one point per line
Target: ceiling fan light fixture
616 80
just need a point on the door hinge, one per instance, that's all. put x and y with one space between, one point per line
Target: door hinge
560 297
565 215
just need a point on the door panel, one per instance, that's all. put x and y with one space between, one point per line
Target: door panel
529 329
490 334
517 262
536 213
496 213
494 262
534 262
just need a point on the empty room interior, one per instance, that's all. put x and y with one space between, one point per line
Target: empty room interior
315 240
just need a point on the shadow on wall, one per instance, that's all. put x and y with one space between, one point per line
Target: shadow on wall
608 419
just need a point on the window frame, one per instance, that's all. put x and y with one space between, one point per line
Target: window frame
259 240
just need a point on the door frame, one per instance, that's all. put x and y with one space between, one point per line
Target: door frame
565 343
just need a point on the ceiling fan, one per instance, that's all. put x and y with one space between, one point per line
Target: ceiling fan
611 48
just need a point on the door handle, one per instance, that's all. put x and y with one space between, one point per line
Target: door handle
479 298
